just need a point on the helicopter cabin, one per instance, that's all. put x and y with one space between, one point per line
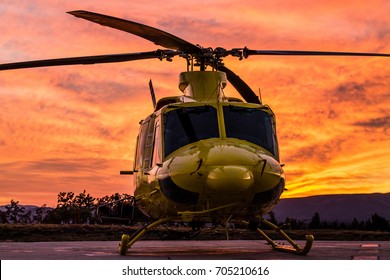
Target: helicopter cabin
202 113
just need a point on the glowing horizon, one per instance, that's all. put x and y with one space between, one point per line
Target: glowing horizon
72 128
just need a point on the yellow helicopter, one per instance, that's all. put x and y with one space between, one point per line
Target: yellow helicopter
201 156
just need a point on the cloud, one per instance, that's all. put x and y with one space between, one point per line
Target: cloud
181 26
381 122
96 91
319 153
350 92
69 165
353 96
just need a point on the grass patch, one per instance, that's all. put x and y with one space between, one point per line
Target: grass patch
45 233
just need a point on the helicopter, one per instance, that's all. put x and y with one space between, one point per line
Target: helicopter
201 156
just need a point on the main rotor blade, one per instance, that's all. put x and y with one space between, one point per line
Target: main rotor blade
247 52
155 35
86 60
243 89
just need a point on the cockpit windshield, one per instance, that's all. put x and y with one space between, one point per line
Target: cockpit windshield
187 125
250 124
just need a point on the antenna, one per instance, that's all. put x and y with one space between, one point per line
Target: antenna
152 93
261 99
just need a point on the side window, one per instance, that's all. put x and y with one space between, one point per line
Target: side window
136 156
140 146
271 126
148 151
157 144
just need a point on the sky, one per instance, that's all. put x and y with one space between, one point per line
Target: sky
72 128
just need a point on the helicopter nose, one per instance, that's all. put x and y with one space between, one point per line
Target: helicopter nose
230 179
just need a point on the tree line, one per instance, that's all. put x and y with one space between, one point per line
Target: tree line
70 209
83 209
374 223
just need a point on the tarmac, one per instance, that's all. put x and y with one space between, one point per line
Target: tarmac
191 250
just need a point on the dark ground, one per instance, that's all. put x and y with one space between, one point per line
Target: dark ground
44 232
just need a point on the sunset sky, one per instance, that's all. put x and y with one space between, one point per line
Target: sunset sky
72 128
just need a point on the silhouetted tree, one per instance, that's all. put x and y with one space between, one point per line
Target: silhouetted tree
25 218
40 214
3 217
84 206
72 209
333 225
379 223
295 224
315 221
272 218
13 211
65 200
355 224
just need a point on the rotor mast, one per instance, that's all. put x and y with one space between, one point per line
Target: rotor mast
202 85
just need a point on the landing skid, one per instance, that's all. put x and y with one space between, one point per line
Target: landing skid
294 248
186 216
128 241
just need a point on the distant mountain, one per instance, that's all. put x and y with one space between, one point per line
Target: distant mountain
340 207
28 214
27 208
